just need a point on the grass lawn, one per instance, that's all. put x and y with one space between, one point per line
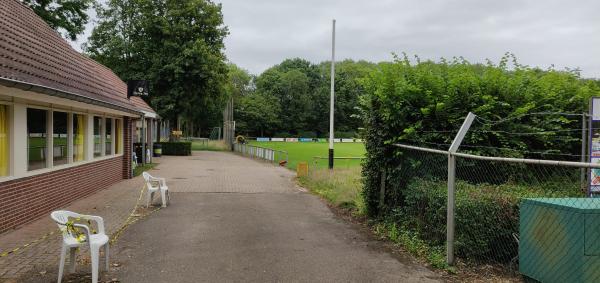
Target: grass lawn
305 151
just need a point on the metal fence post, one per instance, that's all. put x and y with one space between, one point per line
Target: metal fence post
450 210
452 185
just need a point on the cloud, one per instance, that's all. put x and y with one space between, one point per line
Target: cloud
539 32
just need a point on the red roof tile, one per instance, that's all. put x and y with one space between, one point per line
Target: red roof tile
33 53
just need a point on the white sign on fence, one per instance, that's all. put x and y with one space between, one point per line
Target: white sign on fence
277 139
594 140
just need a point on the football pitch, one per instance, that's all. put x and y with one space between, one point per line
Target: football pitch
307 151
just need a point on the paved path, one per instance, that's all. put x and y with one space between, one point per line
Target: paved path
234 219
114 204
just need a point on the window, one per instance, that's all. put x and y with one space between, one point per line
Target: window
97 136
108 136
59 138
4 141
36 138
118 137
79 123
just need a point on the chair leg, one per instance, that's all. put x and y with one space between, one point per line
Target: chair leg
72 254
61 265
106 255
163 196
95 255
148 198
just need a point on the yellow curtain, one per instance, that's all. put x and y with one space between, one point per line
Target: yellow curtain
4 153
80 138
118 136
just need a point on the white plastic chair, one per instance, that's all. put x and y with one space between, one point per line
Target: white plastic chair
155 184
134 160
72 242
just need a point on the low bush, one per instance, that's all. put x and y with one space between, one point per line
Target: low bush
176 148
486 216
210 146
345 135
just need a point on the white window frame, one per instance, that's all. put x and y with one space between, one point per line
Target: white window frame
18 101
93 137
50 146
88 135
112 135
49 141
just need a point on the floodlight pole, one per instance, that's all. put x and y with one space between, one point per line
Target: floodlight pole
331 99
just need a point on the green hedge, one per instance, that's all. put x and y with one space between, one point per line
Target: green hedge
486 216
176 148
424 103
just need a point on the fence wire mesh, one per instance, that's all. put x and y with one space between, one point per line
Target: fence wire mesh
535 219
415 194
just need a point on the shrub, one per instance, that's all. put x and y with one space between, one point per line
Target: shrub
176 148
345 135
486 216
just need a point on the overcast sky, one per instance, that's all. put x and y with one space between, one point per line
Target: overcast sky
540 33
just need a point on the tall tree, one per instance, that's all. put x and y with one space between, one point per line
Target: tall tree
240 82
302 90
257 115
68 17
175 44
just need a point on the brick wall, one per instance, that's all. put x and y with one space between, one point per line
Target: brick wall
26 199
127 136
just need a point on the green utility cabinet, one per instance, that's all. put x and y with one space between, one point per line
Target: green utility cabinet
559 239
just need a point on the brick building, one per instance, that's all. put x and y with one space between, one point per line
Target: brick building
65 120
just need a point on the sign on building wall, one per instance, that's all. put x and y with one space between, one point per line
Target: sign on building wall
137 88
595 144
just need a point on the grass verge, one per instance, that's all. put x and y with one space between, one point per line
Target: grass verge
411 242
340 187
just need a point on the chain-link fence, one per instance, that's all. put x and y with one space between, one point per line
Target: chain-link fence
524 215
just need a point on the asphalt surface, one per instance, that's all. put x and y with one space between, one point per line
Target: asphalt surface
267 234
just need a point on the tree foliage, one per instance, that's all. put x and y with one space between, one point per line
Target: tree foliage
65 16
299 91
176 45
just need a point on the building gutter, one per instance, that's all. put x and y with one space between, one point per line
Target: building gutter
65 94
